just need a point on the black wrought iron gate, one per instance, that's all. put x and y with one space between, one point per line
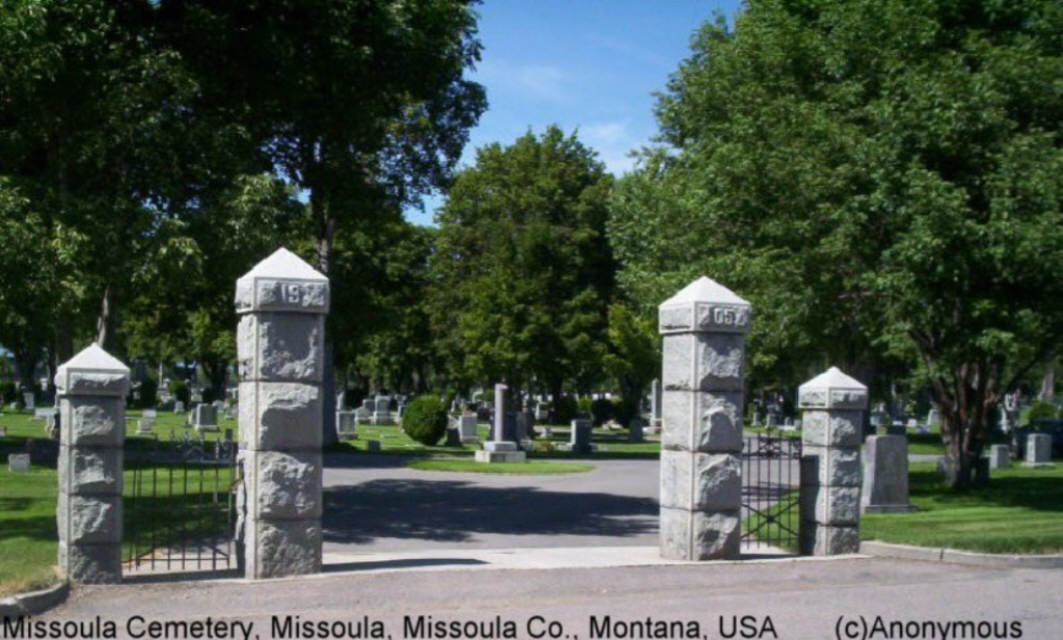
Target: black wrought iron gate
179 504
770 492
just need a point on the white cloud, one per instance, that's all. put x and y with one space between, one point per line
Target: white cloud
536 81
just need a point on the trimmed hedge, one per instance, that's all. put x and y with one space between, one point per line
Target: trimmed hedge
425 419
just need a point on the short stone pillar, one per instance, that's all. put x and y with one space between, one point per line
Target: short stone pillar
499 448
282 304
579 438
999 456
1038 450
832 426
704 330
885 487
92 387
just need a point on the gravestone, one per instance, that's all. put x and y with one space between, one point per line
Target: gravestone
634 432
525 426
1038 450
933 418
281 304
656 398
92 387
346 424
18 462
146 424
833 405
453 433
499 448
205 417
364 413
3 431
579 438
382 410
999 456
885 487
704 330
178 406
467 428
28 400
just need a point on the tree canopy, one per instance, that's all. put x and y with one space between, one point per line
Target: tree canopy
522 273
880 178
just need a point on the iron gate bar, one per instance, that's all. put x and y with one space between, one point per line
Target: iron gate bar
184 531
770 498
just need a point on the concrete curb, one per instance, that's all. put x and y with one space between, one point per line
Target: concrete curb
32 603
955 556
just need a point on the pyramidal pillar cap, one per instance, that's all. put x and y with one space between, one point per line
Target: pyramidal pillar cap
832 389
282 282
92 372
704 305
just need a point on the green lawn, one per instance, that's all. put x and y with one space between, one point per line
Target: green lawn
28 546
1021 511
533 467
608 444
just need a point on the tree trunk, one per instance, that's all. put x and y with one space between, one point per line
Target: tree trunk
325 240
217 372
1048 384
103 321
963 448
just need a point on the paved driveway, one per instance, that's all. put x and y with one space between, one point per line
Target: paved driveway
388 507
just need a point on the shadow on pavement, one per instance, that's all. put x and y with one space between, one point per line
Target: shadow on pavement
454 511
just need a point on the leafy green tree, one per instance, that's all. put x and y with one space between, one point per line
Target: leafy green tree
881 179
634 359
183 309
522 271
361 104
385 340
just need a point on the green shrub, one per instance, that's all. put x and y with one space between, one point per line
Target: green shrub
623 412
179 389
148 393
565 409
584 404
425 419
603 411
1041 410
209 395
7 392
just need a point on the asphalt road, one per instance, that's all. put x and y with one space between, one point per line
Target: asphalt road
388 507
803 599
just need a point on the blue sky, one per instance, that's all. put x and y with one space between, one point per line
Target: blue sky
586 64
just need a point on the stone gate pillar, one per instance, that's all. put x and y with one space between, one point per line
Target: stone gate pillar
704 330
832 424
92 387
282 304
